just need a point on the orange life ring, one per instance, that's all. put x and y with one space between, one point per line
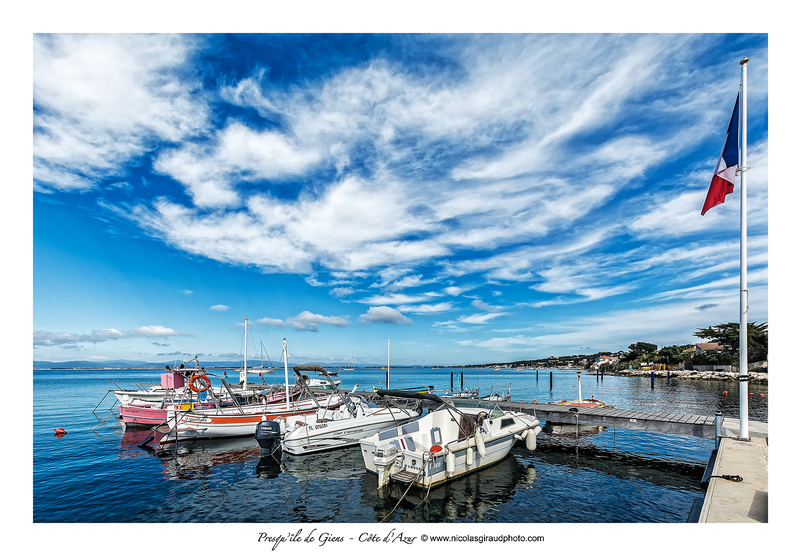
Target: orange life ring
199 378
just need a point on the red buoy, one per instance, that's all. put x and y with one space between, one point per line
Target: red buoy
59 431
724 392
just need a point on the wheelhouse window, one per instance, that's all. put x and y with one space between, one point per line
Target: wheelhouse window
506 422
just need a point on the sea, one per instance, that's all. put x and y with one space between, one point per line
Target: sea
97 474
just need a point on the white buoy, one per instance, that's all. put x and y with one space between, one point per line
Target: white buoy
479 443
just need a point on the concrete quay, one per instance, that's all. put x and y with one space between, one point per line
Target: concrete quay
744 501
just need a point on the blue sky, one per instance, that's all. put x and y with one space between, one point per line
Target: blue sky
472 198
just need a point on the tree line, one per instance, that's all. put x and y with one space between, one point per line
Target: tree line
726 335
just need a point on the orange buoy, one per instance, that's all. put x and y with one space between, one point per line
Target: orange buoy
761 395
59 431
724 392
751 393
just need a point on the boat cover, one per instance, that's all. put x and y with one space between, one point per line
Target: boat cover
407 394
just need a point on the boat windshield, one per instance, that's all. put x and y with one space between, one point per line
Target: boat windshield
491 408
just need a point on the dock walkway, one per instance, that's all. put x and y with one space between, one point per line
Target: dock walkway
664 422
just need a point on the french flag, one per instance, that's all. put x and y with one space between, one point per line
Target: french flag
724 175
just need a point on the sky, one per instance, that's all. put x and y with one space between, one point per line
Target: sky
422 199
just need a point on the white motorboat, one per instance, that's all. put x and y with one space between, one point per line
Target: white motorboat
328 429
458 438
498 395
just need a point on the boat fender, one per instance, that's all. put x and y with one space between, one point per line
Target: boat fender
451 463
470 456
480 444
530 438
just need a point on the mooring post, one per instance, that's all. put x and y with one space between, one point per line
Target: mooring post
717 429
551 381
652 380
601 374
537 375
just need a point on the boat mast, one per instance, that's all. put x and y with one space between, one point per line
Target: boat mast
286 372
388 366
243 374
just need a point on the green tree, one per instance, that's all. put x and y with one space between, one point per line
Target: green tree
670 354
727 335
640 349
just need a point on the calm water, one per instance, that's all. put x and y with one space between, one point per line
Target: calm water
96 473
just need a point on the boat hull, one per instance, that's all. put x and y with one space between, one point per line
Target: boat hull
148 415
330 435
231 422
436 449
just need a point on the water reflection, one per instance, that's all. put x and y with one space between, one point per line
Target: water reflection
197 459
475 497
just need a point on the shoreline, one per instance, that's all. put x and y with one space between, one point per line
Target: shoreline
731 376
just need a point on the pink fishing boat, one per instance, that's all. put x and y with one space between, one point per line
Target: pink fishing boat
141 414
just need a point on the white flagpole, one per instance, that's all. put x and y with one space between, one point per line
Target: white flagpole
744 431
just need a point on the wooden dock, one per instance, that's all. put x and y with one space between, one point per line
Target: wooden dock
662 422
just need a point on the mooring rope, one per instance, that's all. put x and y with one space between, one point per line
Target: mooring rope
734 478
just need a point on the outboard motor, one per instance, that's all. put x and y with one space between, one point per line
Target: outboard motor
268 435
384 460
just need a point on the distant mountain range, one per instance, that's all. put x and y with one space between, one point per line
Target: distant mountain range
133 364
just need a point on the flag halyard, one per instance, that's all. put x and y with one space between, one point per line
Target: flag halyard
725 173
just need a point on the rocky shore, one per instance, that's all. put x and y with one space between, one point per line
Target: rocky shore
733 376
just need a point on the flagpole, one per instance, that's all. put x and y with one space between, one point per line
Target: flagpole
744 431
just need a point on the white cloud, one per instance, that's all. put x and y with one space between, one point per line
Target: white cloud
426 308
308 321
481 318
278 323
385 315
396 299
102 99
342 292
155 331
69 339
219 308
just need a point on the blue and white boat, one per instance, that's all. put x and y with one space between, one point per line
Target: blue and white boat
460 437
